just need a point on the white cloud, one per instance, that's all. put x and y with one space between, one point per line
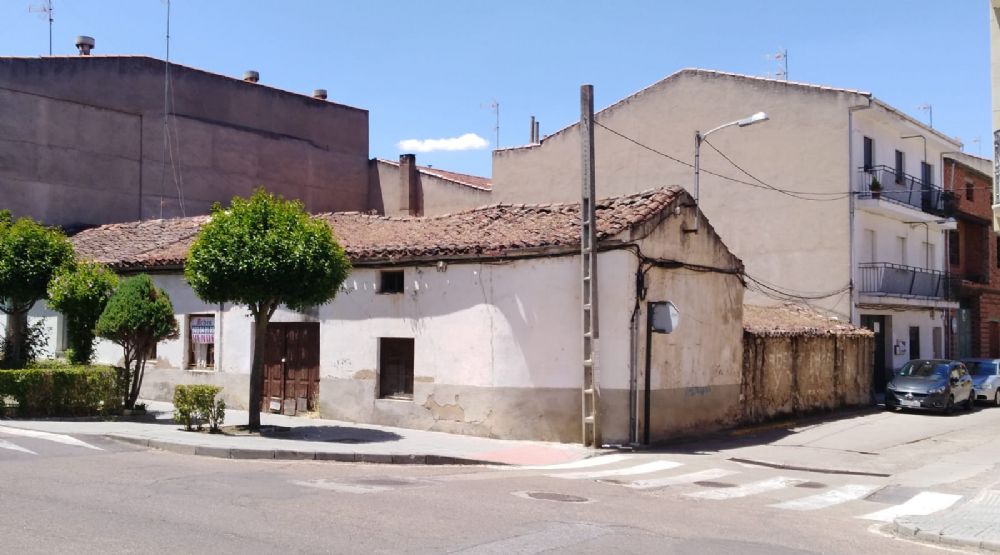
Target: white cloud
469 141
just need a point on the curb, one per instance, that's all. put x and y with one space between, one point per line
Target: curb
911 531
239 453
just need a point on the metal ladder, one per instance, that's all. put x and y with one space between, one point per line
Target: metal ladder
588 244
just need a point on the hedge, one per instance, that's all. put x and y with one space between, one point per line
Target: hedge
61 391
196 404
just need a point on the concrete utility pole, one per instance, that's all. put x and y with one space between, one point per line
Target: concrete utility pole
588 251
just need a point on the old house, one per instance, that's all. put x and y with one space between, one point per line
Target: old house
470 322
972 257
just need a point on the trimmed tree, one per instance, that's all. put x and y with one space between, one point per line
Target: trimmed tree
30 254
261 253
138 316
81 294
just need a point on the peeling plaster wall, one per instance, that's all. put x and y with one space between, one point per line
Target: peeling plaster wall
790 375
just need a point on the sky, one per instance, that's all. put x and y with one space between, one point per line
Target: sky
429 72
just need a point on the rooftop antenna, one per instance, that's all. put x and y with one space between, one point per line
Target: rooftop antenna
495 106
978 141
45 9
930 112
780 57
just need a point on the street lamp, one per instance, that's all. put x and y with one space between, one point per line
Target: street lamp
699 137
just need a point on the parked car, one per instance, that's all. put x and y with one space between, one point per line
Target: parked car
932 385
985 378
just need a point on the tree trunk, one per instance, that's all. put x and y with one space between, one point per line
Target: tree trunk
261 317
17 329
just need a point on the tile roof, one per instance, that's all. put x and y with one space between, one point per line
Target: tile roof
494 231
791 319
474 181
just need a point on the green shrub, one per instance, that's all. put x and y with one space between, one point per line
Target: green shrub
33 342
81 292
196 404
66 391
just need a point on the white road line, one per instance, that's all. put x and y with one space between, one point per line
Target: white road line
583 463
58 438
829 498
343 488
4 444
752 488
923 503
646 468
710 474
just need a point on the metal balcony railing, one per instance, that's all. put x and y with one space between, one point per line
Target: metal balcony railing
896 280
905 189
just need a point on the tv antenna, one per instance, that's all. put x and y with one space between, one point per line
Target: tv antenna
45 9
978 141
930 112
781 58
495 107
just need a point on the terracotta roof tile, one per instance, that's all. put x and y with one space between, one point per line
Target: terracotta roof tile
492 231
792 319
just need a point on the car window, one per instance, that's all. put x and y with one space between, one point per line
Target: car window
923 369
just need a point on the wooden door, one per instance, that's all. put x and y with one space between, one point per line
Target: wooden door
291 366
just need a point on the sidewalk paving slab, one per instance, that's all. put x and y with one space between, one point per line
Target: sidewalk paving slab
298 438
975 523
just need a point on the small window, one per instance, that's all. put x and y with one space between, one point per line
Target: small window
201 341
969 191
869 153
395 375
900 166
390 281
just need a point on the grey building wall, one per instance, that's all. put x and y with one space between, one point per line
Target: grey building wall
437 196
82 142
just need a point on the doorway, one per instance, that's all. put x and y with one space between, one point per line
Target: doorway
878 325
914 342
291 367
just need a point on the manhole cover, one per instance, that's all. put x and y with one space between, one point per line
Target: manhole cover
710 484
552 496
811 485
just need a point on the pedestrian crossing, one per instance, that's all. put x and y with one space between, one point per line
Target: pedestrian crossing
30 442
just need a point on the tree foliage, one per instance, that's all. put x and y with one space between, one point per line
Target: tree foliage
81 293
263 252
30 254
138 315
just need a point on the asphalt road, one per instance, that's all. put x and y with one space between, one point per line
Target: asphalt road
691 498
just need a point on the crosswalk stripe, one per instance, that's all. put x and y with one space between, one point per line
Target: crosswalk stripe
583 463
58 438
646 468
923 503
4 444
690 478
745 490
826 499
343 488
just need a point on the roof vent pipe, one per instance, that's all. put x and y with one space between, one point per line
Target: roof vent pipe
251 76
320 94
85 44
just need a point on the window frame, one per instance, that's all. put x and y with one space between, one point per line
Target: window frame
384 282
190 360
397 387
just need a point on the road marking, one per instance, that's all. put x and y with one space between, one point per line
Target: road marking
4 444
826 499
746 490
343 488
583 463
627 471
702 475
58 438
923 503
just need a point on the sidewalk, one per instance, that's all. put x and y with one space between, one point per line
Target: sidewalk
315 439
974 524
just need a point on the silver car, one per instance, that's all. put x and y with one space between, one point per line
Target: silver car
985 378
938 385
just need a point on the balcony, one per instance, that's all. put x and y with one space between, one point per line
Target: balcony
895 280
905 190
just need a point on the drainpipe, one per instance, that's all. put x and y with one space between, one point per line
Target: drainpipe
851 202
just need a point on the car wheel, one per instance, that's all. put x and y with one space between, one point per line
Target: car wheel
996 399
971 401
950 407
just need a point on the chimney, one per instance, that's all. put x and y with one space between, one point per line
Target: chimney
320 94
409 186
85 44
538 134
531 131
251 76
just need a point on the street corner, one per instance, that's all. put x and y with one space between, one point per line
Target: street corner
534 455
